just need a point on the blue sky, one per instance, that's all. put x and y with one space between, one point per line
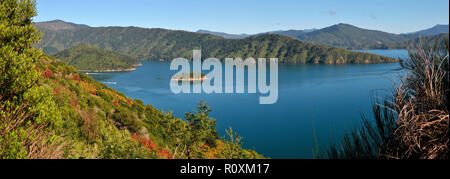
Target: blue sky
249 16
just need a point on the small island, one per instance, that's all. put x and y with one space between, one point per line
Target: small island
88 58
191 75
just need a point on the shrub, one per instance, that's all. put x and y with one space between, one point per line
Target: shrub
414 122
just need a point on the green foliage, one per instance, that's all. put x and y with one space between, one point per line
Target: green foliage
99 122
117 145
85 57
156 44
234 144
24 106
201 128
127 119
17 35
49 110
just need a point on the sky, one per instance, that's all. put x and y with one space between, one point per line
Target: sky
249 16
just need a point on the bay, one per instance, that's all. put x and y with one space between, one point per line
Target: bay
317 104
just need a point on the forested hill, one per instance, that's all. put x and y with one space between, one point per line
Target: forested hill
85 57
95 121
224 35
48 110
157 44
351 37
58 25
436 30
423 40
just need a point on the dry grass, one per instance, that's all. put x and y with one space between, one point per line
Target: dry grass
17 130
421 104
414 122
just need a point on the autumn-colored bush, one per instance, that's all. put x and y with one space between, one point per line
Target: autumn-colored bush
57 91
94 92
73 103
145 142
163 153
116 102
149 144
76 77
48 73
90 126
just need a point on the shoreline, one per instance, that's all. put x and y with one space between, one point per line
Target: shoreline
111 71
190 79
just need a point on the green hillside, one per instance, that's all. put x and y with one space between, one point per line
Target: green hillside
425 40
162 44
85 57
436 30
95 121
351 37
50 111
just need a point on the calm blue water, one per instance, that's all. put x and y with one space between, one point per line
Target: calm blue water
327 98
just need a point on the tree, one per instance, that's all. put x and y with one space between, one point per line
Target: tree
24 106
234 145
18 58
200 129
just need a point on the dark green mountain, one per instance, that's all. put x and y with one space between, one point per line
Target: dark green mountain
58 25
436 30
351 37
162 44
224 35
427 41
291 33
85 57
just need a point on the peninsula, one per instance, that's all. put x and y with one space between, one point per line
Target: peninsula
87 58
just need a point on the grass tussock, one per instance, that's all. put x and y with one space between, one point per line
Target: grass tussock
414 122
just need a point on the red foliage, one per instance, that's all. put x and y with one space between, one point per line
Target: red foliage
48 73
73 103
116 102
163 153
147 143
63 88
94 92
57 91
76 77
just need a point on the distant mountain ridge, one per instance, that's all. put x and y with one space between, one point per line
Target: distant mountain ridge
58 25
224 35
352 37
436 30
162 44
339 35
292 33
423 41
